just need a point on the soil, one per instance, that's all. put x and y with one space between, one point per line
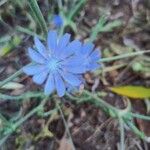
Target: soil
91 128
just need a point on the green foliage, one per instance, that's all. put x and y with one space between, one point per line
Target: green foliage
38 15
10 44
103 26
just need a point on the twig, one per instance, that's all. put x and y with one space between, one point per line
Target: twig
66 126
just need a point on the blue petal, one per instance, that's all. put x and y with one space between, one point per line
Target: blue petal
72 89
75 65
60 86
72 48
76 69
87 48
74 61
64 40
93 67
33 69
40 47
95 55
36 56
52 41
71 78
50 85
40 78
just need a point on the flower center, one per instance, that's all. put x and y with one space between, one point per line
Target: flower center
53 64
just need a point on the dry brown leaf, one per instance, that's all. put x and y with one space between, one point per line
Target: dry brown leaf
64 144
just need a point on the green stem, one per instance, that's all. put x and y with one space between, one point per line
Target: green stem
48 113
29 32
37 13
62 30
78 99
59 2
13 76
124 56
3 118
2 141
14 126
66 126
16 74
109 69
101 103
122 136
96 29
136 130
113 111
76 9
33 111
140 116
23 96
23 119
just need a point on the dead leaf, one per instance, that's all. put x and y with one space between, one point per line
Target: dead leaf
64 144
132 91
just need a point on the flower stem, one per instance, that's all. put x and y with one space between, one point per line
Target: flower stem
37 13
14 126
101 102
2 141
66 126
23 96
136 130
33 111
96 29
76 8
29 32
140 116
122 146
124 56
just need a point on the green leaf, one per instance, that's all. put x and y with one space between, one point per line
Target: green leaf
110 26
132 91
38 15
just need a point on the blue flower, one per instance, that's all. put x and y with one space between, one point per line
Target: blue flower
90 56
57 20
61 63
72 89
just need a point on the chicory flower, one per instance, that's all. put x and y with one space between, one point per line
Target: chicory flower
61 63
